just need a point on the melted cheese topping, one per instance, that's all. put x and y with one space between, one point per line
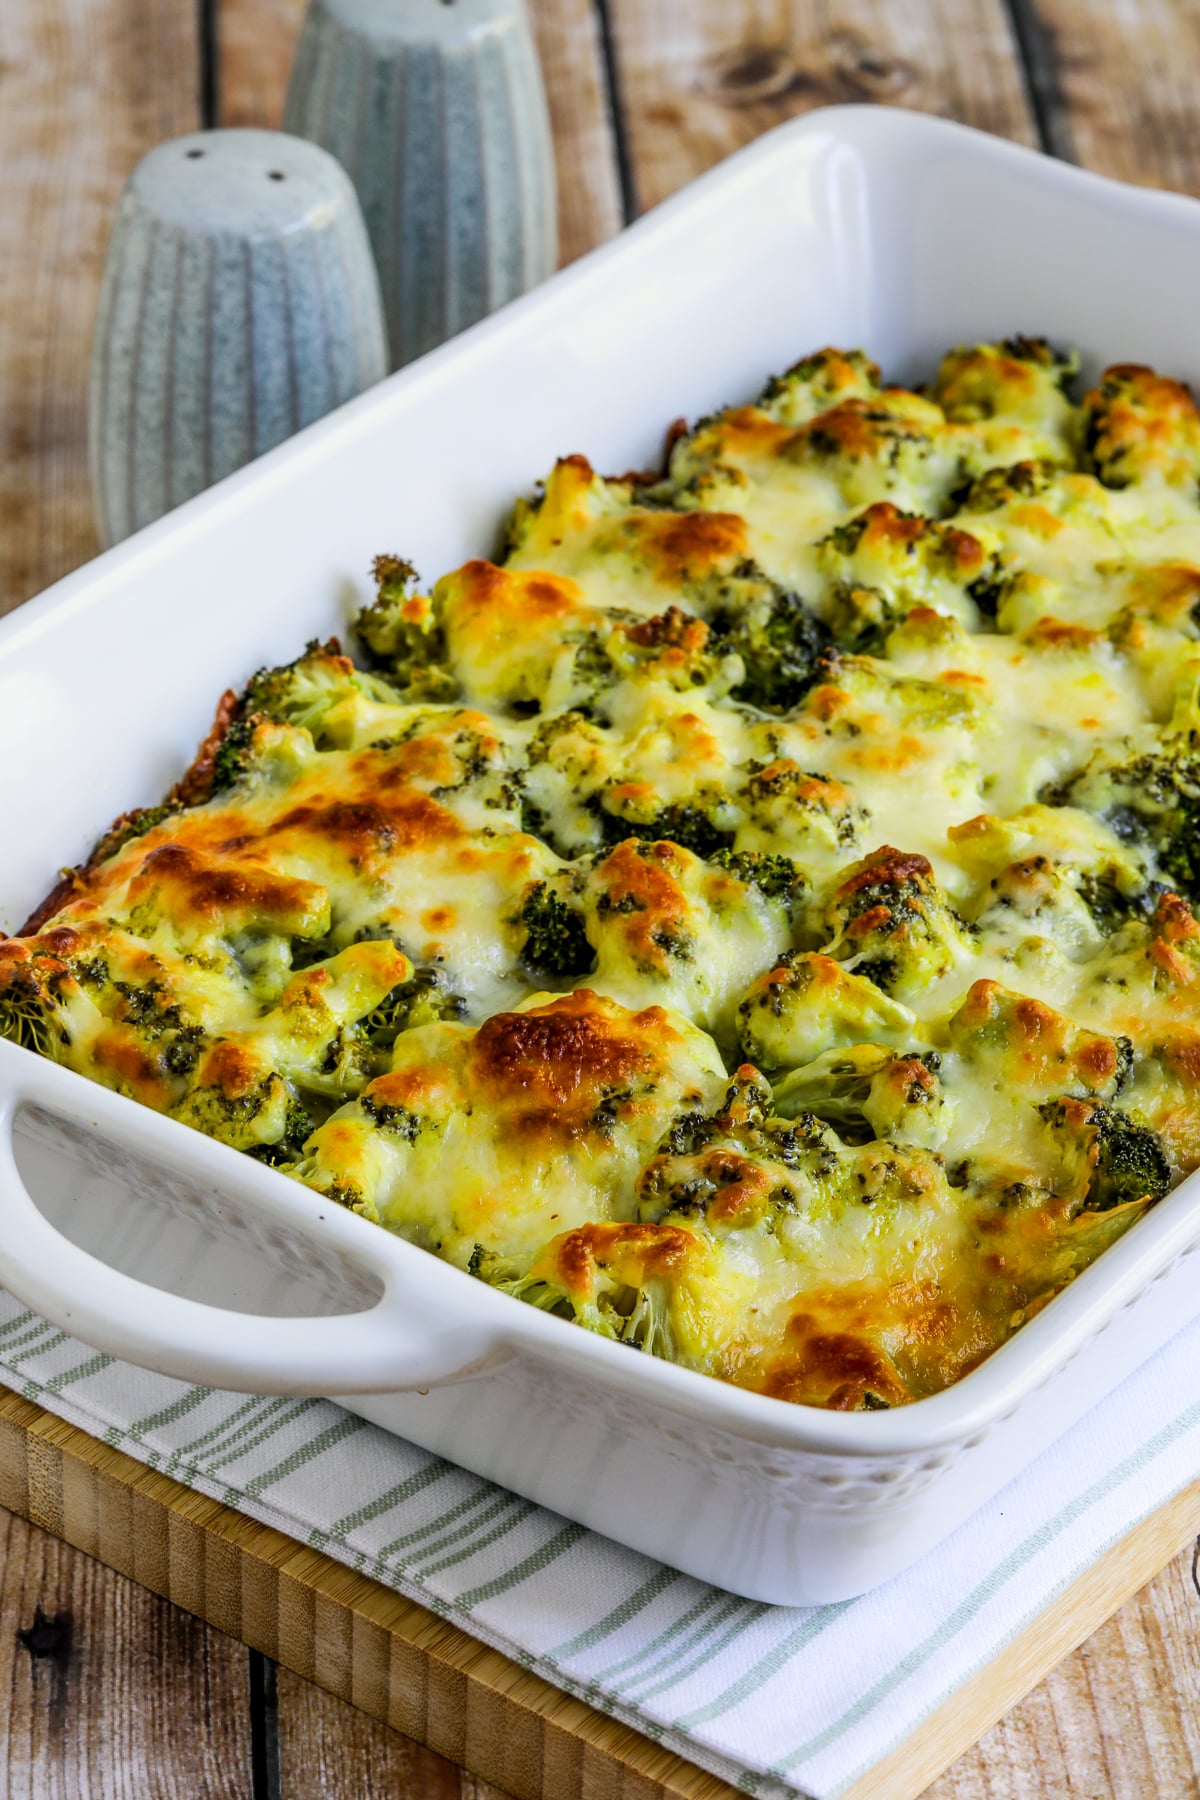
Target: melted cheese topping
751 920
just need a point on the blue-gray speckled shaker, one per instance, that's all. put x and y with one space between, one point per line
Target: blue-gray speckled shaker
437 110
239 302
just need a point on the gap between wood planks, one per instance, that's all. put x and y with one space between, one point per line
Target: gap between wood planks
264 1727
209 57
616 113
1039 62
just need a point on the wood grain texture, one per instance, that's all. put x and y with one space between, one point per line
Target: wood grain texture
1130 1731
1120 82
589 191
329 1748
106 1690
255 43
256 40
86 86
1120 1718
698 82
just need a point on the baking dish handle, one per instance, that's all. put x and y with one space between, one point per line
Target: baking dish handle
398 1344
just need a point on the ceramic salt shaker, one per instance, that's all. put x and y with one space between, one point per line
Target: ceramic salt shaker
239 302
436 108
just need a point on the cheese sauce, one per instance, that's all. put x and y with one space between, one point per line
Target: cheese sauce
751 918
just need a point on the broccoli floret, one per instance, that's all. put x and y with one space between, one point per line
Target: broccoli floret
299 692
808 812
233 760
891 435
780 642
555 940
1149 957
421 1000
808 1004
23 1020
853 690
816 383
890 916
401 634
386 1117
1062 364
623 1281
382 628
998 488
129 826
631 1313
871 445
868 1091
1151 801
297 695
250 747
1025 1047
1109 903
885 562
1141 426
340 1018
146 1006
287 1152
1113 1160
1019 379
1037 893
775 876
255 1117
687 825
491 1266
836 1087
161 1023
183 1052
40 994
673 646
746 1106
734 1168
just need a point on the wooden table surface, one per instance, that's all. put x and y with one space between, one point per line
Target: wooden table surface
104 1689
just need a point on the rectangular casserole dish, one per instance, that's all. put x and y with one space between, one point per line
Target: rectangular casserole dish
851 226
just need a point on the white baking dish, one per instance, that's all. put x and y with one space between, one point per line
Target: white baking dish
852 226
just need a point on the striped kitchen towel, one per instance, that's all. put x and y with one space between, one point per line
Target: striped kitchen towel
779 1702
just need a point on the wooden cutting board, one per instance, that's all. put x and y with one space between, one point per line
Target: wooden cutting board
429 1679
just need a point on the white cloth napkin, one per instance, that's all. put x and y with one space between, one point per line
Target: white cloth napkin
779 1702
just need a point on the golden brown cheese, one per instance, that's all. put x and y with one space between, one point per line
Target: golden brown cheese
861 743
494 1139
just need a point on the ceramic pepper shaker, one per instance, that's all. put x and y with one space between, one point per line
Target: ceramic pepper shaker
437 111
239 302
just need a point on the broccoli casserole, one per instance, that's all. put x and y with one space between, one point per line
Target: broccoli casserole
752 918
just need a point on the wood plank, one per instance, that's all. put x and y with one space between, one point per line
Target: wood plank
86 86
256 40
255 44
426 1678
328 1747
1121 1717
106 1690
1122 82
589 188
698 82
